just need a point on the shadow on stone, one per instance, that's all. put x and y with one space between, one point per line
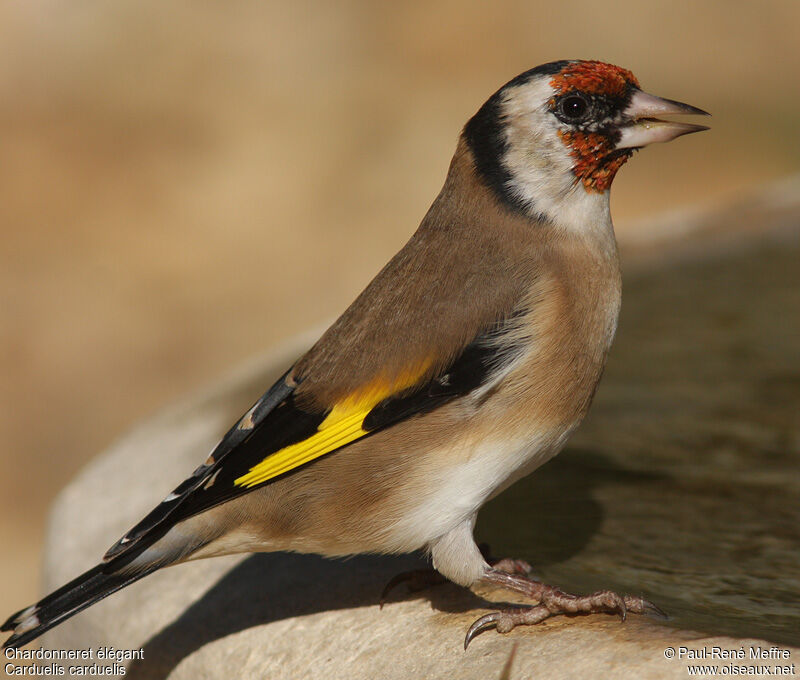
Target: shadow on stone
265 588
550 516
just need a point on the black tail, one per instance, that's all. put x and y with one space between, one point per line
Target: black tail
88 588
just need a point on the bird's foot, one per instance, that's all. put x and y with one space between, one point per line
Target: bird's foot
421 579
550 601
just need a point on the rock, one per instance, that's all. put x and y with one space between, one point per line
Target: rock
681 485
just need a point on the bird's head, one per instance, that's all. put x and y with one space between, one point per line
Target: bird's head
550 141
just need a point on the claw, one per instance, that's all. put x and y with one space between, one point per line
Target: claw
650 608
481 625
395 581
418 579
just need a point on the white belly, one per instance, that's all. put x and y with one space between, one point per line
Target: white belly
453 494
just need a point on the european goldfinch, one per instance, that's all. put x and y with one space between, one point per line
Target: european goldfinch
464 365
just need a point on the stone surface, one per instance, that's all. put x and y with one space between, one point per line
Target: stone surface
681 485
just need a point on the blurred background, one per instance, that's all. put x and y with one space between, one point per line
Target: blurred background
182 185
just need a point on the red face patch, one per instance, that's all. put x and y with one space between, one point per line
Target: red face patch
590 152
594 77
595 166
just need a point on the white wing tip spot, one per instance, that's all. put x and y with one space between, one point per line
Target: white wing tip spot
28 623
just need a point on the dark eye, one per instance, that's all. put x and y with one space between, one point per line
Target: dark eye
573 107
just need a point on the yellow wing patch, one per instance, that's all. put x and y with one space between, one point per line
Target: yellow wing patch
340 427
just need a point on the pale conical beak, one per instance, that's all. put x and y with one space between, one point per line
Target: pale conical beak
645 128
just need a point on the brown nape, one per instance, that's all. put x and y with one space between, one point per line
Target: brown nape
465 267
596 161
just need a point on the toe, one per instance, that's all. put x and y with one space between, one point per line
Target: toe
639 605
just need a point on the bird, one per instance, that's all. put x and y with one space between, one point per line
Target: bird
464 365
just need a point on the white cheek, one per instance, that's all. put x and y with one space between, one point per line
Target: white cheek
541 167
